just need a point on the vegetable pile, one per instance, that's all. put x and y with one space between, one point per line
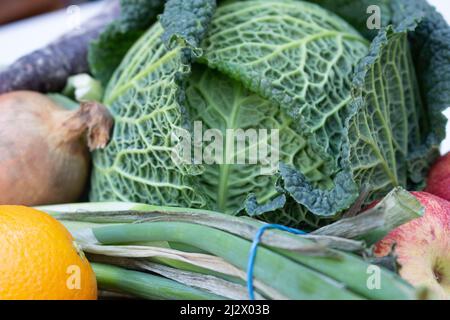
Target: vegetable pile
352 116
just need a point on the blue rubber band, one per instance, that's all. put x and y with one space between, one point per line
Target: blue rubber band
254 248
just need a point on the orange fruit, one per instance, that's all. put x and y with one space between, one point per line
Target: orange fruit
39 259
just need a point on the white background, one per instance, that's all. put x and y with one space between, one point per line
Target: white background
22 37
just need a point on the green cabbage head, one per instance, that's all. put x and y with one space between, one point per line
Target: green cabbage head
358 111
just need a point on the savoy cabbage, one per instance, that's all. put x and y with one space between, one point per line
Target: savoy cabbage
356 109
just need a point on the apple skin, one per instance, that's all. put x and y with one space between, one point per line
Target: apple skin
438 182
422 247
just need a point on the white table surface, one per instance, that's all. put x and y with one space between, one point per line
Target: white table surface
25 36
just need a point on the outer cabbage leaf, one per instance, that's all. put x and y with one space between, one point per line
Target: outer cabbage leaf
389 133
106 53
430 47
387 125
419 99
143 97
146 98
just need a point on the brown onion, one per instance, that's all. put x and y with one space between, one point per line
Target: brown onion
44 149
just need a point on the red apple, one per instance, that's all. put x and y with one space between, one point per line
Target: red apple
422 246
438 182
